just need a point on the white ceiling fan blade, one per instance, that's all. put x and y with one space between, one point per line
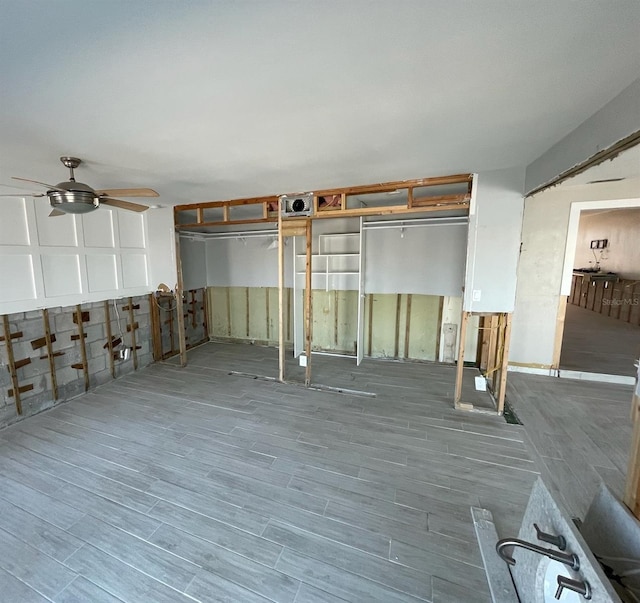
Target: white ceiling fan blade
128 192
56 212
49 186
122 204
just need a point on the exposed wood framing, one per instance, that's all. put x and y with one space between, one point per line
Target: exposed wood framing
308 307
83 346
109 344
132 327
460 365
156 335
632 488
8 336
281 317
182 338
205 310
50 356
407 327
493 355
269 204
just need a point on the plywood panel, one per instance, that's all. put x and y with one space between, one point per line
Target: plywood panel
347 321
101 272
98 229
323 305
61 275
238 327
13 222
60 231
131 228
17 278
383 340
423 326
134 270
258 313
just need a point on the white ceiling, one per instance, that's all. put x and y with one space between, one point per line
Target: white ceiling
220 99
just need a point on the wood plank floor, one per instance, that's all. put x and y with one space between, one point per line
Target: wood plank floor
198 484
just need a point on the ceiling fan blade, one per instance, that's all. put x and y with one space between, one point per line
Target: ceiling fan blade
128 192
56 212
21 195
122 204
49 186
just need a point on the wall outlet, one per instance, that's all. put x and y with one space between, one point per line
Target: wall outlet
476 295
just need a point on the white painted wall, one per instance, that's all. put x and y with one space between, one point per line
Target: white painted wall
49 262
193 255
616 120
540 271
494 241
622 229
428 259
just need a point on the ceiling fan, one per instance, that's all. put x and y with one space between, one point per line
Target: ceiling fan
73 197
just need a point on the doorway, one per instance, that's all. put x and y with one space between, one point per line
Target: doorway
599 326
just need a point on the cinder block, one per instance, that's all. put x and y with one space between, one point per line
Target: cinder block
64 322
95 333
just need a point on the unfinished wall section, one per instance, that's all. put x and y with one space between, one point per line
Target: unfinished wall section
50 356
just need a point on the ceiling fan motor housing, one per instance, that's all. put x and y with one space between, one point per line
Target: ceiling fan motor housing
73 198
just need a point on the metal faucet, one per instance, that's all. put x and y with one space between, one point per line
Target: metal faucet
569 559
582 588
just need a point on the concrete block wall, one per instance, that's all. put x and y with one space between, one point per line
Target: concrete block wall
70 380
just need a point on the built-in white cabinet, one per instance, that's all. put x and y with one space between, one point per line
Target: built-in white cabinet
336 266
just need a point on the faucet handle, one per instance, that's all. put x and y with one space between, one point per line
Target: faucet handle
582 588
558 541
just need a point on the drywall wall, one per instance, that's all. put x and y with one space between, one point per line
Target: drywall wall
616 120
540 271
494 241
161 247
621 228
427 259
193 256
48 262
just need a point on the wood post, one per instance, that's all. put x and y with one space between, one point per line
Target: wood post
50 356
632 488
281 316
460 365
308 310
12 363
132 327
83 346
182 340
504 364
109 345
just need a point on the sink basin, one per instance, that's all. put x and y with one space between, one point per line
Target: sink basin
547 582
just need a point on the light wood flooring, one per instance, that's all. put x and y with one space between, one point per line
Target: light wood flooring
196 484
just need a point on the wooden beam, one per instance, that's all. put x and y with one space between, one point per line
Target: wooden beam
107 323
52 361
632 487
502 385
281 316
308 309
12 365
132 328
205 310
182 339
460 365
156 336
83 347
396 342
407 327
